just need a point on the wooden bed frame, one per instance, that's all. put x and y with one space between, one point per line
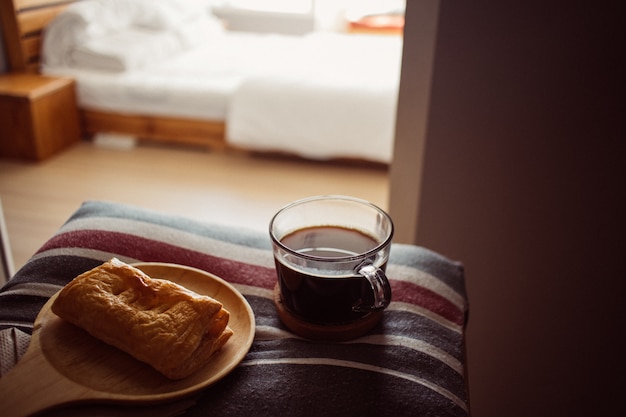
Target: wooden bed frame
22 24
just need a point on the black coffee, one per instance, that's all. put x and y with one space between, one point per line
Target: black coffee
319 299
329 241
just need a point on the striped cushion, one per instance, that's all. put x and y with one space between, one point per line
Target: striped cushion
412 363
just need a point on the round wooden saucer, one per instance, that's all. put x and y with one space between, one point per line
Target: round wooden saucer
336 333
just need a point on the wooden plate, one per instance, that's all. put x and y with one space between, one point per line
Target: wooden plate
64 364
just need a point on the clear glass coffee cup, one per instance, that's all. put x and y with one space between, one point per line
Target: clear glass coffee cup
331 254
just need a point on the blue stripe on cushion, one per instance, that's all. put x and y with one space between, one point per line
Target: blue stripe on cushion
242 236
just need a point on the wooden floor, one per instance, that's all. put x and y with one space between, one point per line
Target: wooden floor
224 187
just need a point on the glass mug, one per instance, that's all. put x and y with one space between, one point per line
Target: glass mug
330 254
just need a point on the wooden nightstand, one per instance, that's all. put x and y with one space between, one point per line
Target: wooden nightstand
38 115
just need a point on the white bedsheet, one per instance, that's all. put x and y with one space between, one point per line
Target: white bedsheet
313 120
341 104
197 83
320 96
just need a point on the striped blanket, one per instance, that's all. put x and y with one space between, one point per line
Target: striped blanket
412 363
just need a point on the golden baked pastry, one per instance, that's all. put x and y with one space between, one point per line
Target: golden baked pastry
156 321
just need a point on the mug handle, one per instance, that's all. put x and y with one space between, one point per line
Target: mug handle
380 286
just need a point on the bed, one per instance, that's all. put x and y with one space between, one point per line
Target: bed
160 72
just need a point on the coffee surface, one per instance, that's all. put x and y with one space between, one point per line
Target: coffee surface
329 241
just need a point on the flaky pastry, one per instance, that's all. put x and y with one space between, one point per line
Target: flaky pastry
158 322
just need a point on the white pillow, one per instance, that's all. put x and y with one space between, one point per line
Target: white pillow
168 14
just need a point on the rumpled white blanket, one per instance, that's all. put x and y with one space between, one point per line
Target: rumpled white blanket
80 22
125 49
119 35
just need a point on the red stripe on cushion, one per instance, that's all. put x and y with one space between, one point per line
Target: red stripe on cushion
148 250
414 294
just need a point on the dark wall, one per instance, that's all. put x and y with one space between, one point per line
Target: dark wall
3 59
523 181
